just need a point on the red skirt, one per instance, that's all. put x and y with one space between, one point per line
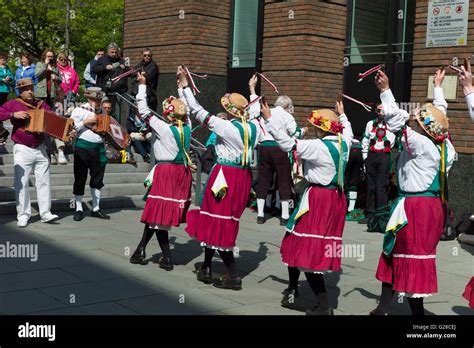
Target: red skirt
411 268
469 293
314 243
216 224
169 197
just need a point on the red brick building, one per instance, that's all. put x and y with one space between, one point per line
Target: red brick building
311 49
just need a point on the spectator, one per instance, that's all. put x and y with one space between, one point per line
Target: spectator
25 70
152 72
6 79
48 77
140 136
89 75
69 78
108 67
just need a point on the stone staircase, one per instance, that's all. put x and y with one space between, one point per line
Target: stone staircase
123 185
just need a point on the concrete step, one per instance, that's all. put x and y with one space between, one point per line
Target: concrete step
7 194
61 205
141 167
68 179
8 158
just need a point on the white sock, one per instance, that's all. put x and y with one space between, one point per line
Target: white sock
285 209
79 203
269 200
95 199
260 207
352 200
277 199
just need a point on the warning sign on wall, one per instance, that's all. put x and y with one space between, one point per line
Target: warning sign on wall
447 23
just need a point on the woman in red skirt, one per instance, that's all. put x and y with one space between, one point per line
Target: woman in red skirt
216 223
314 231
408 262
469 293
169 197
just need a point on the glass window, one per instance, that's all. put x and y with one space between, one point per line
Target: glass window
244 34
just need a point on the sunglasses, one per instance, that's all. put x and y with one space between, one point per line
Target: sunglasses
147 55
62 59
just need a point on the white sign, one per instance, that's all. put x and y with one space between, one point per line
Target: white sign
447 23
449 85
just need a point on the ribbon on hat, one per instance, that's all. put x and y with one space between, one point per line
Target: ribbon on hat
187 160
245 154
443 173
340 171
269 82
169 110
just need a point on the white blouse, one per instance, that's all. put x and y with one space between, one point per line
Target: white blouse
319 166
416 171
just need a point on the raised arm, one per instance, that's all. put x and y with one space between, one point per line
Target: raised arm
366 141
347 132
465 80
438 94
156 124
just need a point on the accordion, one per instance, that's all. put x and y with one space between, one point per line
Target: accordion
42 121
112 131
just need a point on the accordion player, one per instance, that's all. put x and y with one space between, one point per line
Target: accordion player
112 131
42 121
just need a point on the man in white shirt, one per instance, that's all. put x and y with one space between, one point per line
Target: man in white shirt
376 146
89 154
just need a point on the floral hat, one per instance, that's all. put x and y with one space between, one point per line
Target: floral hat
433 121
234 104
174 108
327 120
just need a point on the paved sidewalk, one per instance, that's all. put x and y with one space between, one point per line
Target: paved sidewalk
83 268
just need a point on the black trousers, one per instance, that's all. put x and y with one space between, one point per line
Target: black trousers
377 166
87 160
271 160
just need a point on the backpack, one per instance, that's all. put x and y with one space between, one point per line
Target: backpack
377 222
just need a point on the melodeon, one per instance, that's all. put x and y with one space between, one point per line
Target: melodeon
112 131
42 121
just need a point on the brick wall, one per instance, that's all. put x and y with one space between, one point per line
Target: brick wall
199 40
425 62
303 55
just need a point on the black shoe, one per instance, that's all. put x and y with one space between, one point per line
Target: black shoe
138 256
146 158
283 222
100 214
261 220
226 282
319 311
165 263
78 215
289 297
204 275
377 311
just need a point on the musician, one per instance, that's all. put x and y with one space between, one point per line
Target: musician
216 223
169 198
29 153
408 261
376 149
314 231
272 160
89 154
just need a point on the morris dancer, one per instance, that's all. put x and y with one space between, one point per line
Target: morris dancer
29 153
377 144
216 223
272 160
169 198
408 261
314 232
89 154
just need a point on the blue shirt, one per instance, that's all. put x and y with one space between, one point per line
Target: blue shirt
22 73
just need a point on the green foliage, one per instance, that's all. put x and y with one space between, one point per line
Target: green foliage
35 25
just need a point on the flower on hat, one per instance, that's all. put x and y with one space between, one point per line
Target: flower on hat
432 126
324 123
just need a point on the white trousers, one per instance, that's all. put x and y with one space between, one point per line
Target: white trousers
27 159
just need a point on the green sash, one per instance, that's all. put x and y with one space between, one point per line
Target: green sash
84 144
181 157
